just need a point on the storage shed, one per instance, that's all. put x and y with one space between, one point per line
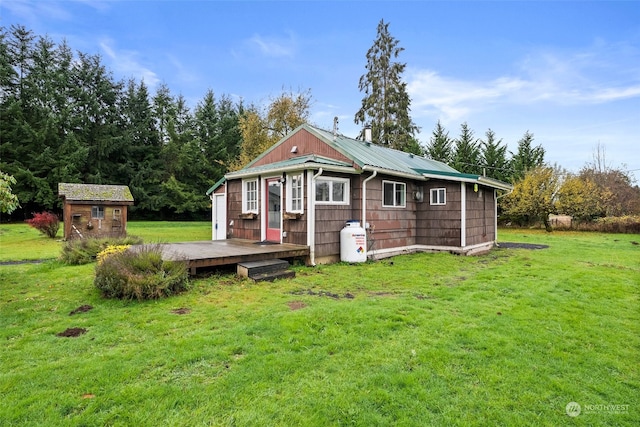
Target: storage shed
92 210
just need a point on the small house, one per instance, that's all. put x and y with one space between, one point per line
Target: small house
91 210
305 188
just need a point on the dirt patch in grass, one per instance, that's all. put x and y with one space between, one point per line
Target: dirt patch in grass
323 294
296 305
81 309
181 310
383 294
513 245
72 332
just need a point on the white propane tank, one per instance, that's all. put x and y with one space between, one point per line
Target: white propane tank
353 242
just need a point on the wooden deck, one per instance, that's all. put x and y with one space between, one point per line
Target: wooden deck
213 253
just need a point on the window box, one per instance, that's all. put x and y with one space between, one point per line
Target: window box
248 215
292 215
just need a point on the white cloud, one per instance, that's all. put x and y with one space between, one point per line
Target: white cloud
542 77
273 47
33 12
182 73
126 63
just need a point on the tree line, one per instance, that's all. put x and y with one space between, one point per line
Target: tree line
64 118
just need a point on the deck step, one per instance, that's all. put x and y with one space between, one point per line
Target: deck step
254 268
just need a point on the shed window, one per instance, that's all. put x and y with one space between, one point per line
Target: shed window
97 212
332 190
250 196
295 193
394 194
438 196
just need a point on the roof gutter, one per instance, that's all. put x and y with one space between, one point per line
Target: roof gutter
311 220
394 172
364 199
480 179
495 184
303 166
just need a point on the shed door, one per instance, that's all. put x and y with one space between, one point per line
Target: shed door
273 217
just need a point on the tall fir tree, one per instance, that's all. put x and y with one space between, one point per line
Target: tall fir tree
440 146
386 105
466 156
144 160
494 157
526 158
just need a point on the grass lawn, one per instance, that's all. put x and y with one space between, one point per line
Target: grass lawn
508 338
19 242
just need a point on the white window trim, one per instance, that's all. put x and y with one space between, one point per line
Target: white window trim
394 194
289 190
331 180
245 201
437 201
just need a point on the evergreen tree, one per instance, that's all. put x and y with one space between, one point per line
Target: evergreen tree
494 156
217 125
95 102
145 168
526 158
163 111
440 145
466 157
386 104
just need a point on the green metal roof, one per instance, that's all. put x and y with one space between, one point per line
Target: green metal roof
215 186
291 163
366 155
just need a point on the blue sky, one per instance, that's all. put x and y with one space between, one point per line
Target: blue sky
567 71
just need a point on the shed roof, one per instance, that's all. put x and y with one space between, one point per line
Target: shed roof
95 192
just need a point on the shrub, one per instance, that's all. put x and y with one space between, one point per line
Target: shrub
613 224
111 250
84 251
140 274
45 222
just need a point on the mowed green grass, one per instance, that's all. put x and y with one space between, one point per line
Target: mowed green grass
19 242
507 338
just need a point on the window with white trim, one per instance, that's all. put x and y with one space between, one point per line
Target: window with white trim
295 196
332 191
438 196
250 196
97 212
394 194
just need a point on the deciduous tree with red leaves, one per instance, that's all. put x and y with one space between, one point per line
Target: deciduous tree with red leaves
45 222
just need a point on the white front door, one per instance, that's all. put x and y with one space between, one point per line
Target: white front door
219 219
